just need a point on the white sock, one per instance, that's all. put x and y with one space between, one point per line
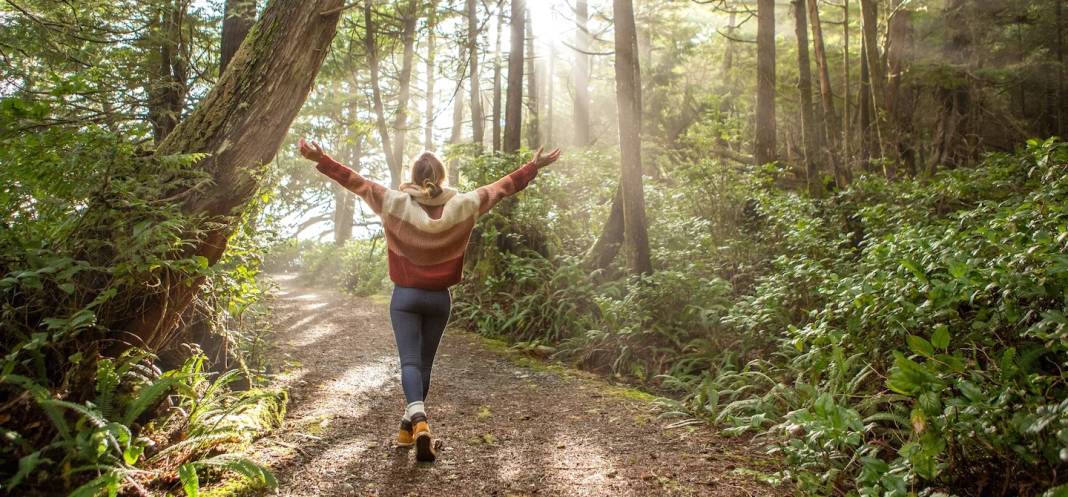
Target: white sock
414 408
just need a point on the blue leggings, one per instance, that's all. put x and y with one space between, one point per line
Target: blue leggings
419 317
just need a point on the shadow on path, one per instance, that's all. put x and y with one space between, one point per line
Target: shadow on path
506 430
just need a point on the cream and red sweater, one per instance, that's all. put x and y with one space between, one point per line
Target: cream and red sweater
427 237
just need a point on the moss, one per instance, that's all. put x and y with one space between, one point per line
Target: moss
235 487
521 359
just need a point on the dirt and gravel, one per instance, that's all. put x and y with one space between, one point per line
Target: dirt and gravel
507 427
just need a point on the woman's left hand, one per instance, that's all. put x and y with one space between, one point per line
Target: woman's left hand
541 161
310 151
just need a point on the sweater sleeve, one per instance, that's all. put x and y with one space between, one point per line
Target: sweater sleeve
509 185
368 190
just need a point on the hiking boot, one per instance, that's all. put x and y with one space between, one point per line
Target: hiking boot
424 444
404 436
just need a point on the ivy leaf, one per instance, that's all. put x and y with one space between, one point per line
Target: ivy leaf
940 338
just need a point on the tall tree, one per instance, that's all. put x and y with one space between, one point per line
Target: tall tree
168 89
497 65
270 77
876 76
409 18
238 18
899 93
581 71
533 110
392 146
513 112
764 146
804 87
431 39
477 118
629 104
371 46
457 128
828 115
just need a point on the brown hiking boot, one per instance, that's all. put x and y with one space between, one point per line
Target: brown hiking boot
424 443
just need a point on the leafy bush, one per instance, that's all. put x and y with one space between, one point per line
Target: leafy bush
84 229
896 337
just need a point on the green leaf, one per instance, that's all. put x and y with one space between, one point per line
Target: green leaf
190 481
940 338
920 346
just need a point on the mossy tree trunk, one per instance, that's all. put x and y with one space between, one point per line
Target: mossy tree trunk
240 123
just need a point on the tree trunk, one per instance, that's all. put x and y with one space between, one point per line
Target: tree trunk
532 87
864 119
764 147
478 123
955 96
344 200
607 246
1061 101
400 119
549 79
809 134
167 92
900 95
371 45
431 26
238 18
629 104
497 63
240 123
847 149
830 117
513 112
582 74
877 82
457 130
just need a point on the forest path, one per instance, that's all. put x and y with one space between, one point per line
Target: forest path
506 429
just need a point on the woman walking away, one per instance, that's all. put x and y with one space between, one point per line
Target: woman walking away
427 226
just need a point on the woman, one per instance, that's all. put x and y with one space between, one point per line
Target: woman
427 226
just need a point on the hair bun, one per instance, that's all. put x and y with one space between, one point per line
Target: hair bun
431 188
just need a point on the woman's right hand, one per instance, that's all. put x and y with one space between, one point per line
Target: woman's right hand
541 161
310 151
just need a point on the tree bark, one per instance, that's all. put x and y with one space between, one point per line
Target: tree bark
371 46
168 91
830 117
864 120
764 147
877 82
477 118
532 87
497 64
809 134
410 17
513 112
240 123
238 18
629 104
581 71
847 150
457 131
549 79
344 200
900 95
431 25
607 246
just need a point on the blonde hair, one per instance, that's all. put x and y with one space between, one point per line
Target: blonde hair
428 173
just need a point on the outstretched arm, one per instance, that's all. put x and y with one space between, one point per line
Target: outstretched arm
368 190
514 182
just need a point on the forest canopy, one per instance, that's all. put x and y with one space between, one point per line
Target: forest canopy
837 226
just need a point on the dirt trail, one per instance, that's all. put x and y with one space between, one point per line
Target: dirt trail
507 430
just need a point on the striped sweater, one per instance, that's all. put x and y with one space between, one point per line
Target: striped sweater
427 237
